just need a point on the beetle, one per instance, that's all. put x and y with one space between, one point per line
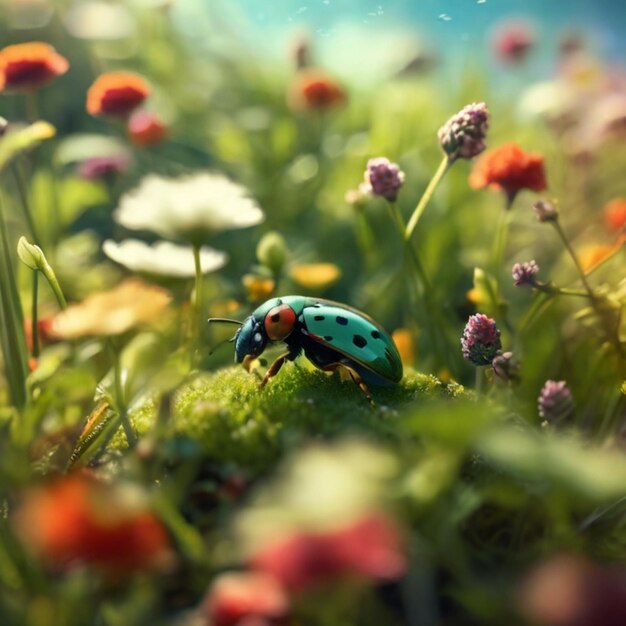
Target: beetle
333 336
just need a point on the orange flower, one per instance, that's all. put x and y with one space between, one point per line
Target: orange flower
28 66
595 254
77 519
146 129
314 90
615 213
508 168
116 93
405 342
252 598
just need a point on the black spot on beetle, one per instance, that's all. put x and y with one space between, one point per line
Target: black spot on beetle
328 338
275 317
359 342
319 318
375 334
341 320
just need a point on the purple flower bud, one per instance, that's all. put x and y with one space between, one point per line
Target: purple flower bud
103 167
384 178
481 340
506 367
463 135
546 211
524 273
555 402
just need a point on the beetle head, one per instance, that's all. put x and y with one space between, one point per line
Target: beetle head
250 339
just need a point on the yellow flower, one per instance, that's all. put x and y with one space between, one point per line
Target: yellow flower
405 342
258 289
112 312
315 276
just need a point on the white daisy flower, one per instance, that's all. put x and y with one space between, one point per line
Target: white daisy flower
163 258
190 208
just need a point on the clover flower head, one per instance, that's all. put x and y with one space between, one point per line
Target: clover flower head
383 178
463 135
481 340
546 211
190 208
524 273
555 403
28 66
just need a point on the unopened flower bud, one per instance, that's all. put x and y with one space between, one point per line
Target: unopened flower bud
506 367
272 251
546 211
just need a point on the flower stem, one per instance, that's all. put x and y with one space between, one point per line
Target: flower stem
499 241
34 314
32 106
425 199
480 382
120 401
23 194
50 276
197 301
611 334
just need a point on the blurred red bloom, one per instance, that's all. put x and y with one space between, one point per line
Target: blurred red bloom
44 327
28 66
508 168
78 519
512 41
246 598
145 129
370 548
116 93
569 591
615 213
314 90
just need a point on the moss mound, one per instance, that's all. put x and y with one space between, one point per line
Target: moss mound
232 420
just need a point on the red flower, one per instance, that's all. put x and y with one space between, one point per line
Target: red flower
369 548
28 66
570 591
116 93
44 328
78 519
146 129
512 41
510 169
252 598
615 213
314 90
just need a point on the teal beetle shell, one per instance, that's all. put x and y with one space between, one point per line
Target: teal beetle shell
358 339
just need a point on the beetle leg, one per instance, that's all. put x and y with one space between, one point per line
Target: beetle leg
274 368
356 379
360 383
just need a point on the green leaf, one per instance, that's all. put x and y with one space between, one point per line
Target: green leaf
17 141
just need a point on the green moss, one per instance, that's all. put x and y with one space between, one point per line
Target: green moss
232 420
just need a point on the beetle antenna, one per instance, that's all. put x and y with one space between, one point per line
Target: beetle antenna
224 320
221 343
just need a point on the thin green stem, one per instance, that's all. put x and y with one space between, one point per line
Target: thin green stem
24 202
197 301
425 199
499 241
50 276
34 315
32 106
611 334
120 399
480 382
560 291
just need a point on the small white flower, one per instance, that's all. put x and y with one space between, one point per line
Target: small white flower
162 258
190 208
